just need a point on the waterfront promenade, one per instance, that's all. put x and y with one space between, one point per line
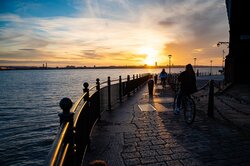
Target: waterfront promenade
144 131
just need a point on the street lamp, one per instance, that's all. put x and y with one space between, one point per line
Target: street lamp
211 62
194 63
223 59
223 52
225 43
169 61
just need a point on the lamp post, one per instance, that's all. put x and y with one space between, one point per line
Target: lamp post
223 59
223 52
169 61
211 62
194 63
225 43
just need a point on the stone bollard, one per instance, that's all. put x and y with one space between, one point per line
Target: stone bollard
155 78
210 111
150 87
66 115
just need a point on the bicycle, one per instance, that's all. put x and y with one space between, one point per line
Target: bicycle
188 106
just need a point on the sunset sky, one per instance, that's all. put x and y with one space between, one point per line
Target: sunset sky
112 32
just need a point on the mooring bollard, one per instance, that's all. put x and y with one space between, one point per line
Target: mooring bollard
155 78
150 87
210 111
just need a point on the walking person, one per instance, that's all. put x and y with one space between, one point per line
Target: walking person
163 77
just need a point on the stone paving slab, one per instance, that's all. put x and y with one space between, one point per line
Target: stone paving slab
146 107
128 136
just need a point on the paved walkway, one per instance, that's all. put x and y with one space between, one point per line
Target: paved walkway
144 131
231 106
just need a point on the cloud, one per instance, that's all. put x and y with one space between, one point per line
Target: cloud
10 18
167 22
204 23
27 49
91 54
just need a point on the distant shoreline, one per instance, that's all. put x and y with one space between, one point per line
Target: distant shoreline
100 67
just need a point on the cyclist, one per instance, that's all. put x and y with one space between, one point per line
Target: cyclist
187 81
163 77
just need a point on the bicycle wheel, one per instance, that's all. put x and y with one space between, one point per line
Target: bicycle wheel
189 110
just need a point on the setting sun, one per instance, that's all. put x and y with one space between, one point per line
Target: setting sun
151 55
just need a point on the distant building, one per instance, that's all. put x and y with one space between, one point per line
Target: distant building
155 64
70 67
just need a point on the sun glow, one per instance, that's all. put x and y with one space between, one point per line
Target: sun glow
151 55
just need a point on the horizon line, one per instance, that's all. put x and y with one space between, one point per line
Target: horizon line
97 67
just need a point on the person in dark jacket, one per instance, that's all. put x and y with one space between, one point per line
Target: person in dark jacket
187 80
163 77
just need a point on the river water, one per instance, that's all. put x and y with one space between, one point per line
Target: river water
29 107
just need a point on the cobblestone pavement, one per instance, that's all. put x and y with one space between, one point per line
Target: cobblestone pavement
231 106
144 131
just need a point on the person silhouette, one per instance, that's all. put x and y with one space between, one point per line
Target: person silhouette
187 82
163 76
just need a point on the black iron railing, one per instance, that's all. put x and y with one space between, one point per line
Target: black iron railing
77 122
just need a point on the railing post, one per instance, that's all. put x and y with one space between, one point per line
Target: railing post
210 111
137 76
97 84
128 85
133 83
98 98
86 90
120 89
109 94
86 98
67 116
